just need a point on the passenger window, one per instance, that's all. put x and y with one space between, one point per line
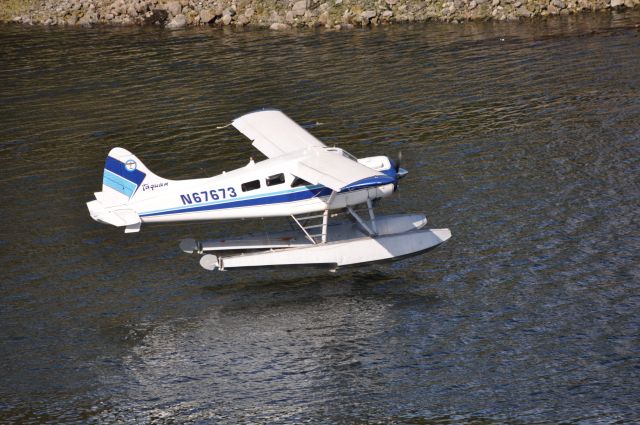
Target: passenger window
274 180
299 182
252 185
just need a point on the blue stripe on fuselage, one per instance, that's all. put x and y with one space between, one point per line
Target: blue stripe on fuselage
369 182
289 196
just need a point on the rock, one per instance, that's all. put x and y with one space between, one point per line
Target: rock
617 3
473 4
180 21
88 19
299 7
559 4
387 14
249 12
391 2
523 12
275 18
174 8
346 17
226 19
242 21
495 3
276 26
207 16
368 14
158 16
71 19
131 11
552 9
324 18
289 17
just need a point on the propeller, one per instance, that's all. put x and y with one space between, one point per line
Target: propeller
398 161
398 174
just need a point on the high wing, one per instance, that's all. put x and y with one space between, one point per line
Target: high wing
328 167
274 134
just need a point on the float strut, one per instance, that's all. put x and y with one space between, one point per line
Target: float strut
361 222
372 216
325 221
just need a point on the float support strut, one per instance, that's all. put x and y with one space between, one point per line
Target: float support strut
361 222
325 222
372 216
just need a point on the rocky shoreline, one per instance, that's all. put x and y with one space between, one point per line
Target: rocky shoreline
287 14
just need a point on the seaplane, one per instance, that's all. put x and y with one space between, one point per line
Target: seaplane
327 195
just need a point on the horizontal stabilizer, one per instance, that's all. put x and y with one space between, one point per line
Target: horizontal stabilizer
118 215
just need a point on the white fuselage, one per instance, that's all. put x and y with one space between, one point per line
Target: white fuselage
263 189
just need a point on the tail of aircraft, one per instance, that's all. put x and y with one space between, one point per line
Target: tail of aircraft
125 180
125 177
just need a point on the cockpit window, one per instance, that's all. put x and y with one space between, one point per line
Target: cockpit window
299 182
252 185
275 179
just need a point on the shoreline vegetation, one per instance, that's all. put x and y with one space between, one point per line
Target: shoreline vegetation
287 14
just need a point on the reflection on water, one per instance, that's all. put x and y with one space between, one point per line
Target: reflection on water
522 138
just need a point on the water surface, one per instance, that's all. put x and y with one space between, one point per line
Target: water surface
522 138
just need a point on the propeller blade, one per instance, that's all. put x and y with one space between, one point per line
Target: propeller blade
398 161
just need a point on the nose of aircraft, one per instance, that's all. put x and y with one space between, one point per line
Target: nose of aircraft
399 172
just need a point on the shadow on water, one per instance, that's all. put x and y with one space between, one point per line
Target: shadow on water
522 138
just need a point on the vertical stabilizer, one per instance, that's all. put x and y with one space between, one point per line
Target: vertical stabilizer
124 179
123 176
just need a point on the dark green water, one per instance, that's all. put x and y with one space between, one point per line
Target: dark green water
524 139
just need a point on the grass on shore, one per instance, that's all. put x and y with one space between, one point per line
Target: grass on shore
11 8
